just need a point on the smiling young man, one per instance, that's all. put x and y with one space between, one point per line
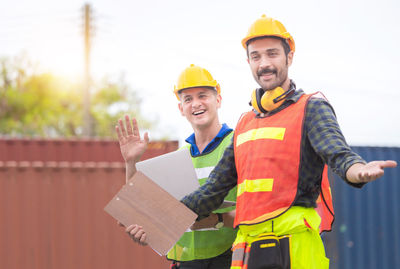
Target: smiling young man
277 160
200 107
208 245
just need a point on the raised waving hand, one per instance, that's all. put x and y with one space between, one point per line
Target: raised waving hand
131 144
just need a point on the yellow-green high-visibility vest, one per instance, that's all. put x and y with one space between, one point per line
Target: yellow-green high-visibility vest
206 243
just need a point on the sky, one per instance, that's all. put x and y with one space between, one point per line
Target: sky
348 50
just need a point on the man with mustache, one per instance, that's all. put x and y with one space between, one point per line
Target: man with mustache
208 245
277 160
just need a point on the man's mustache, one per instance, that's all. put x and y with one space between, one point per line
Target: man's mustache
265 71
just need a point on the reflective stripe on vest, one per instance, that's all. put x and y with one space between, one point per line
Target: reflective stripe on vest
267 158
203 172
262 133
255 185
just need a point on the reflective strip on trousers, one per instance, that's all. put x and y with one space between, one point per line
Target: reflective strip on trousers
240 256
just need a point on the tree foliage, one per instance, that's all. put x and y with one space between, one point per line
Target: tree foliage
43 105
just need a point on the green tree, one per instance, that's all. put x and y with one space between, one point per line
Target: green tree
111 102
43 105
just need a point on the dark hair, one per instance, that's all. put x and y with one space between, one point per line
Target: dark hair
285 44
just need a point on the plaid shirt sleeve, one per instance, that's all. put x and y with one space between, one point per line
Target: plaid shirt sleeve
220 181
327 140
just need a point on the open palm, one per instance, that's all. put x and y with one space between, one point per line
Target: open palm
374 170
131 145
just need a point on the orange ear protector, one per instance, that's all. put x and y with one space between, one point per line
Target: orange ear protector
264 101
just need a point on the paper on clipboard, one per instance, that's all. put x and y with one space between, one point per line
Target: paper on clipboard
174 172
163 218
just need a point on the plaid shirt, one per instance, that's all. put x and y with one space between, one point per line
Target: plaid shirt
322 142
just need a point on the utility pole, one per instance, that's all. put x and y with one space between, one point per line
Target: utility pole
87 117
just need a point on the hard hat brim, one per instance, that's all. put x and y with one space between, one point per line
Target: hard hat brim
288 39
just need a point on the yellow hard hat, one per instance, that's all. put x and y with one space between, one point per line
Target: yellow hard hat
195 76
266 26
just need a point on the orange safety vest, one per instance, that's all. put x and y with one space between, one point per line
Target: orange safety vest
267 158
325 204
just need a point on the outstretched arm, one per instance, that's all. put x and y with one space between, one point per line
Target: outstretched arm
328 142
131 145
362 173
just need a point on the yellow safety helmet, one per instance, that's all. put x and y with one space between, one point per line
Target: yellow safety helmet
266 26
195 76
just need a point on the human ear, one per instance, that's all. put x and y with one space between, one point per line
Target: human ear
180 108
290 58
219 99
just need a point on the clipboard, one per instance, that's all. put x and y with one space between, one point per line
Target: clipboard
143 202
